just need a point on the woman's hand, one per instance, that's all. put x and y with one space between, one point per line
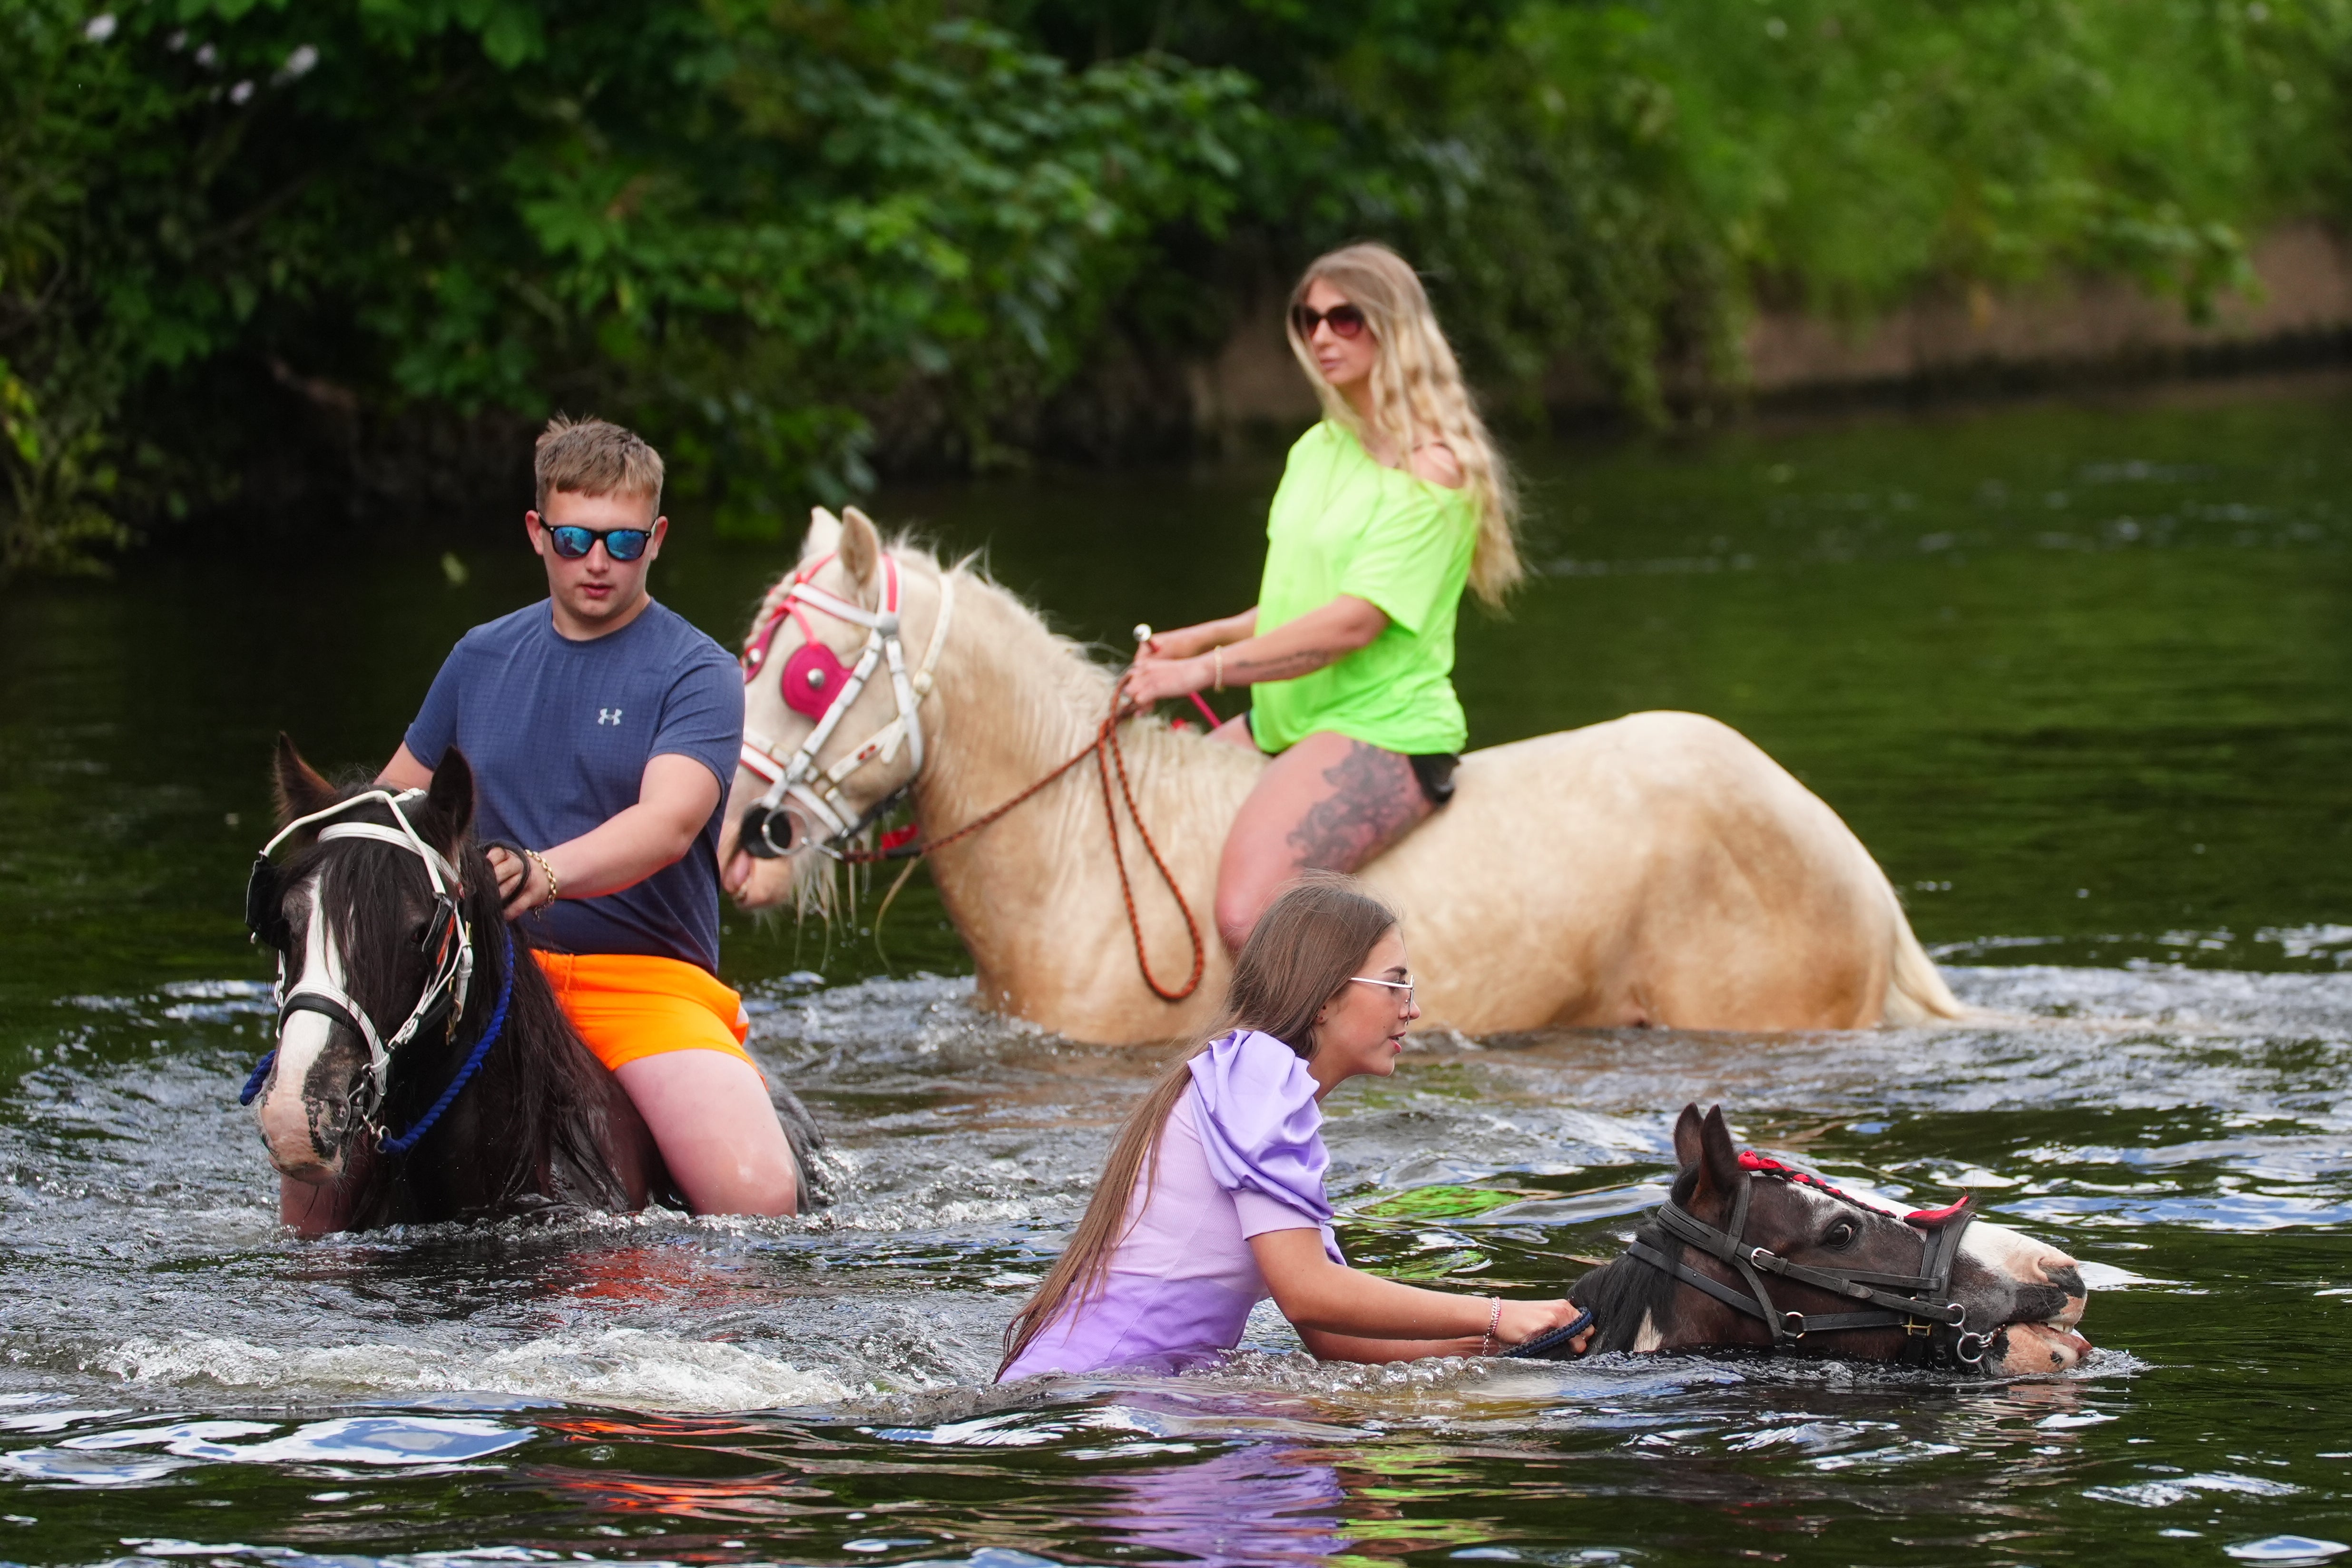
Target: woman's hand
1185 642
1525 1321
1151 680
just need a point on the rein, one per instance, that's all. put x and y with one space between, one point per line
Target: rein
1935 1327
815 682
1108 759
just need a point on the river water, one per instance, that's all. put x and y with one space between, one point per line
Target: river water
2076 671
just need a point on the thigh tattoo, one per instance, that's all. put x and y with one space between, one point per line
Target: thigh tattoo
1374 798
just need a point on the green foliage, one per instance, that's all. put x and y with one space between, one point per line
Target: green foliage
790 237
1621 182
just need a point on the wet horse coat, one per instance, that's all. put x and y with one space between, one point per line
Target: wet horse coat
2019 1300
1657 869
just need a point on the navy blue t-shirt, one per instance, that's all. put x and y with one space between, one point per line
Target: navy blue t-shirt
558 733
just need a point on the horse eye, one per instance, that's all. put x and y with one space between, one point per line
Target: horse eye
1841 1236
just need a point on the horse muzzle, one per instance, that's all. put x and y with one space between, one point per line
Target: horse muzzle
2037 1335
309 1110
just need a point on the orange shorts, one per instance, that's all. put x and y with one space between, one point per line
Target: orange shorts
630 1005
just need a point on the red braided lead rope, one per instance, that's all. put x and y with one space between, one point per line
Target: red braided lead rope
1106 740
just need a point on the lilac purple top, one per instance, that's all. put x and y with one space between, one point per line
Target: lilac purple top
1241 1154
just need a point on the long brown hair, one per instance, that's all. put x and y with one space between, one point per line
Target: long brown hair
1311 939
1418 396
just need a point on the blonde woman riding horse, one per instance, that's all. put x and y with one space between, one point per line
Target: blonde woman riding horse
1388 506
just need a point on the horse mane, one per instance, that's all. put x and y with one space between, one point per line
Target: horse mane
1624 1293
539 1081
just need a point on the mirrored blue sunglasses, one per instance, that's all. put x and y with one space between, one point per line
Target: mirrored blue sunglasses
572 542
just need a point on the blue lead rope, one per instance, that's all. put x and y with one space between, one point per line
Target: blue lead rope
260 1074
407 1140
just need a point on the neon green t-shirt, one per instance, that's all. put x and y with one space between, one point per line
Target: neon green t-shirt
1342 523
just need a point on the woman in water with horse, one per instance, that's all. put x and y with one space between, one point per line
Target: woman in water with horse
1388 506
1212 1198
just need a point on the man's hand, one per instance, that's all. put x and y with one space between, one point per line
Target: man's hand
523 885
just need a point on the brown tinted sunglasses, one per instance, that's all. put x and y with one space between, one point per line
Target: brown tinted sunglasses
1346 321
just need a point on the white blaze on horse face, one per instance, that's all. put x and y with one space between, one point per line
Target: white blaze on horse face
284 1116
2049 1345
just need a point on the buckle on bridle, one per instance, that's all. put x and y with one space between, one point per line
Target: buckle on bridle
1796 1318
1918 1327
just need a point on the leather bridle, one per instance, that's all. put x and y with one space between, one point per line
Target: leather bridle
447 941
815 682
1935 1327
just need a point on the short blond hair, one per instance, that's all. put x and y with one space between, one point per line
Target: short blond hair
595 458
1417 395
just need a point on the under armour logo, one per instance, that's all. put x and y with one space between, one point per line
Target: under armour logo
608 715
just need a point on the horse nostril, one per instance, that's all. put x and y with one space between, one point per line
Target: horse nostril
2067 1277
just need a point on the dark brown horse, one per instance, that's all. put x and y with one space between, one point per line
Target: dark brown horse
1835 1277
537 1124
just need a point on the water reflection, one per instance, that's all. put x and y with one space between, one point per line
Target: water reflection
1257 1503
2107 764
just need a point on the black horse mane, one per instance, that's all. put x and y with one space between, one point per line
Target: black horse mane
538 1092
1623 1293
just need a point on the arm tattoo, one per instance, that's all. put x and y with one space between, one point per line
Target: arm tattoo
1284 667
1374 798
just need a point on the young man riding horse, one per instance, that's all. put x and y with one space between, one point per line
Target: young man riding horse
603 730
1386 510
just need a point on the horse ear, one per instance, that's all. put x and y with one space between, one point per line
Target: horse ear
450 798
299 788
1687 1138
861 546
1718 1163
823 534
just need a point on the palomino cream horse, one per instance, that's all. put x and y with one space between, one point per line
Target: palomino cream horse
1656 870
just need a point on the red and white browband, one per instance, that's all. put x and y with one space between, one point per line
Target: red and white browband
1749 1160
815 683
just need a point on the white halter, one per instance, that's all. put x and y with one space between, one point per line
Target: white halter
453 966
798 779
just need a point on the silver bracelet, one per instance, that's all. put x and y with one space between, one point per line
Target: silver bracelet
1493 1320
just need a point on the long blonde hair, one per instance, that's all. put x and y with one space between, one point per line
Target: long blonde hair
1315 935
1417 395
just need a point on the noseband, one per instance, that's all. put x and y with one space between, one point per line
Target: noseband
1935 1327
448 938
815 683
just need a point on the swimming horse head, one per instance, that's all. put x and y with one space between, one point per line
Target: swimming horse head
376 921
833 702
1748 1252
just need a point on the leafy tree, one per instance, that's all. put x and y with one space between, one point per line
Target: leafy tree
794 238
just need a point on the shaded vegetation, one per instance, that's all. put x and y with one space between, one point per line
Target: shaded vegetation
333 248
